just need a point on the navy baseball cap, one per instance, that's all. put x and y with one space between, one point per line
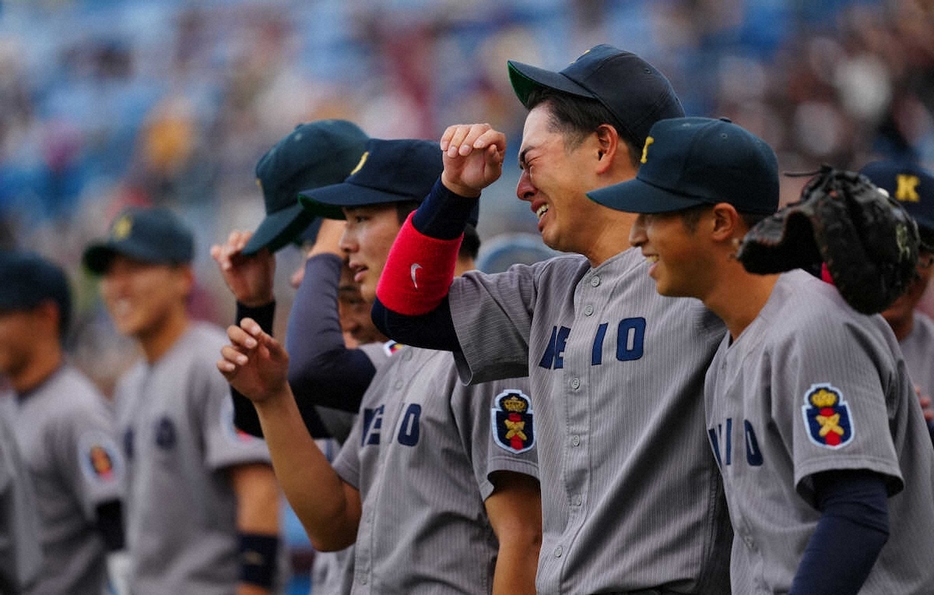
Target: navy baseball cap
389 171
912 186
633 90
27 280
153 235
316 154
688 162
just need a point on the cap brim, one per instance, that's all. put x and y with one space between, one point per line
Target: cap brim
329 201
279 229
526 78
97 257
636 196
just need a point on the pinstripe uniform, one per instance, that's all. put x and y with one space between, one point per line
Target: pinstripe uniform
918 349
20 550
811 386
333 572
630 493
421 454
65 431
176 422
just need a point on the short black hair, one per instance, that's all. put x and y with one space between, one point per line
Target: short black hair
576 117
691 216
404 208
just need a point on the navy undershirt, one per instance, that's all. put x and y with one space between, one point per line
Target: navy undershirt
443 215
853 527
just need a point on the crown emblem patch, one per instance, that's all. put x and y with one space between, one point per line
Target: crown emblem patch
827 416
513 421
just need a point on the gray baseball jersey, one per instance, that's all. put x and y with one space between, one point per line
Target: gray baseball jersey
66 432
631 496
20 549
812 386
340 423
176 422
918 349
421 455
333 572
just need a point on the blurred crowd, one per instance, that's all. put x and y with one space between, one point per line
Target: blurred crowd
105 103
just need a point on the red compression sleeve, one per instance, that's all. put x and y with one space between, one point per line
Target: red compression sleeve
418 272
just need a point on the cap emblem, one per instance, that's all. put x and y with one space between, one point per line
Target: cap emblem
645 149
907 190
122 227
359 166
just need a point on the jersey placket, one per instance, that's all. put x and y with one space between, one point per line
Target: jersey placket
576 385
367 545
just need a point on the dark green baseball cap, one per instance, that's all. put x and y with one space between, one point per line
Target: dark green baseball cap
315 154
27 280
154 235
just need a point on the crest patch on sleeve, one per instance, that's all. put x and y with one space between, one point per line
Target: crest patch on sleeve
100 459
827 416
513 421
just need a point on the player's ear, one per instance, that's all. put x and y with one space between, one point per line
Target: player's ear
727 222
185 279
609 148
47 314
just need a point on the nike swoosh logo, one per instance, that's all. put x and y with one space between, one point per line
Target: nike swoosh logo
414 270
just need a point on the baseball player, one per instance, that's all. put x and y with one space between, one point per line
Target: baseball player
436 483
201 499
64 429
913 187
313 155
631 497
825 457
20 548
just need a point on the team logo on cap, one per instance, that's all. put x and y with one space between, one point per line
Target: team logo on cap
827 416
363 159
513 427
907 188
122 227
100 462
645 149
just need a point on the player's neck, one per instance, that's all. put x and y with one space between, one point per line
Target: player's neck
156 342
611 238
46 360
739 297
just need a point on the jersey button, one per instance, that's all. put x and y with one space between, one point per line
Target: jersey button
595 281
407 355
575 440
398 385
588 310
559 551
577 500
575 383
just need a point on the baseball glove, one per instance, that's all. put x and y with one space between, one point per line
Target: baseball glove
868 242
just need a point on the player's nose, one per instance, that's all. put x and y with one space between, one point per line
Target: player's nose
637 236
525 190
